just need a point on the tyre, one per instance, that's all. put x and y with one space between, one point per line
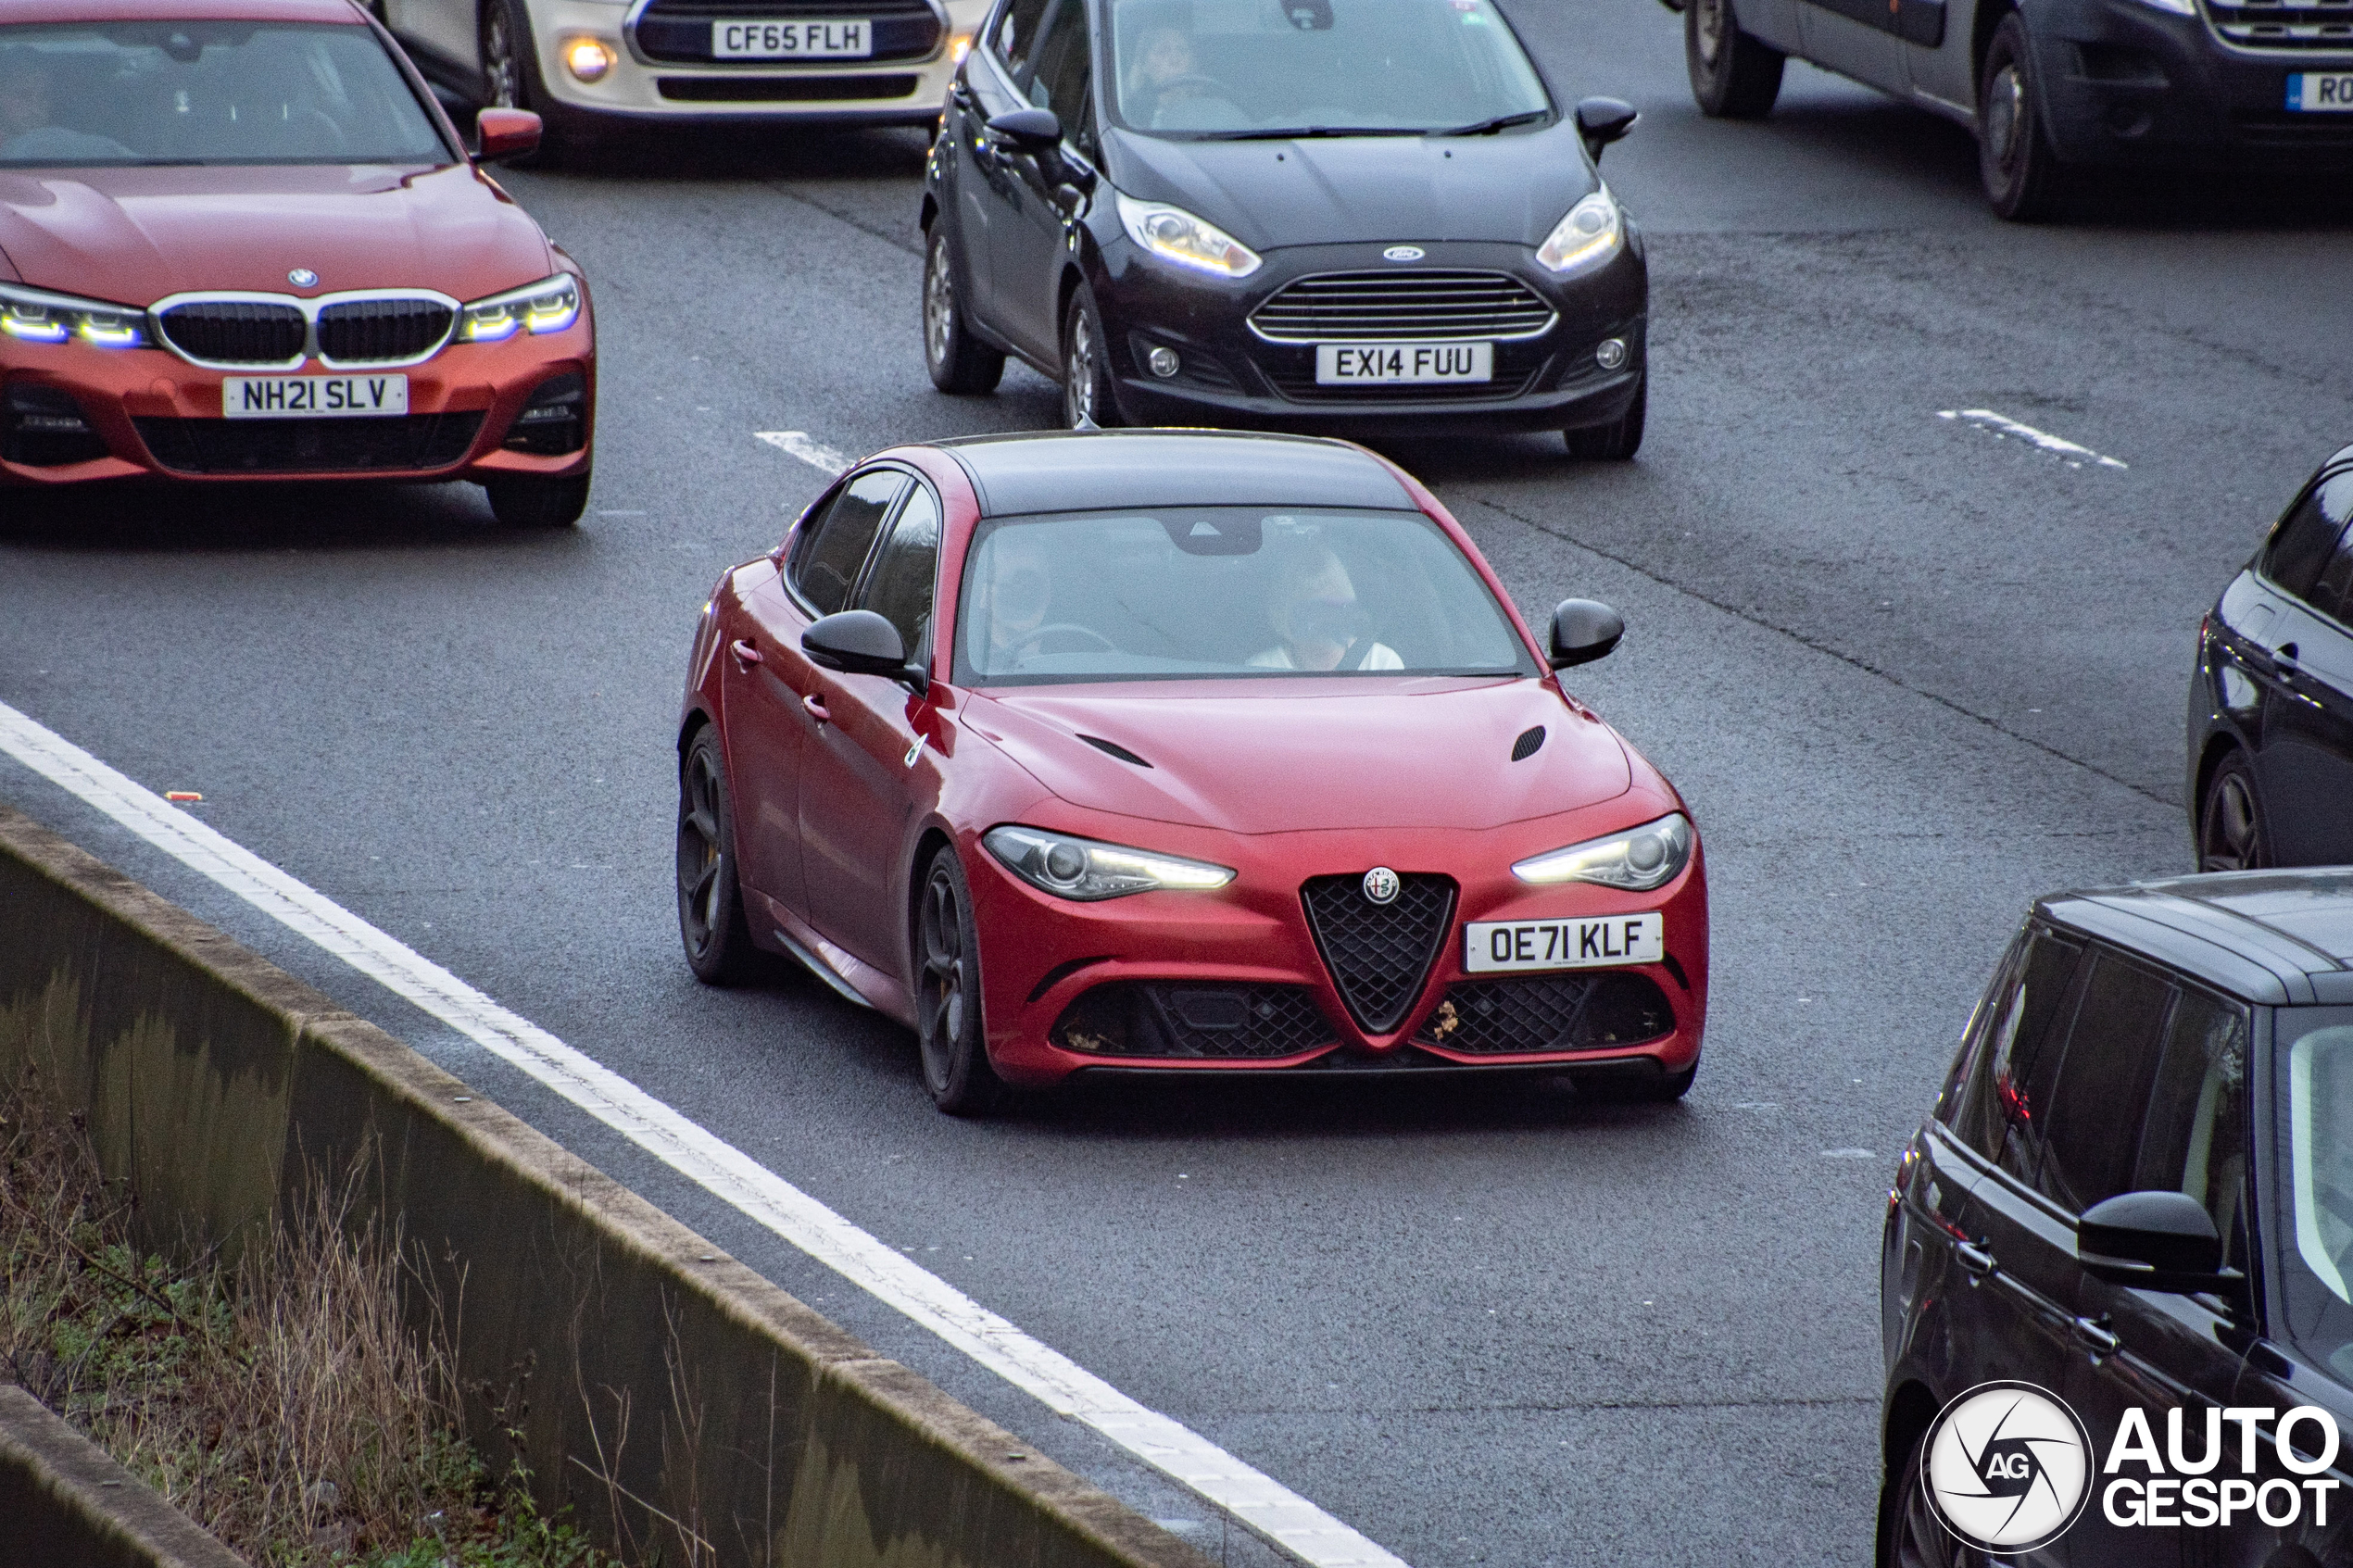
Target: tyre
959 362
948 1020
1622 437
528 500
1909 1535
2229 821
711 902
2021 175
510 80
1088 395
1733 76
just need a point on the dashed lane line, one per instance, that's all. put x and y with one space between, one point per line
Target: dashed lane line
2005 428
816 453
1260 1504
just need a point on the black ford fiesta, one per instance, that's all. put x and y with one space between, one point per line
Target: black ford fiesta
1294 214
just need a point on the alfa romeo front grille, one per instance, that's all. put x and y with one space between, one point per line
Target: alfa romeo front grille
237 332
1399 305
1187 1020
378 332
2290 26
1378 955
1548 1013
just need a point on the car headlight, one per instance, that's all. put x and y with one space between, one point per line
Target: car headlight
1173 234
1590 235
548 306
1641 858
1086 870
37 315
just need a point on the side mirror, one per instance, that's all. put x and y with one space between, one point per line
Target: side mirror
1583 631
859 642
1602 120
504 133
1032 131
2152 1241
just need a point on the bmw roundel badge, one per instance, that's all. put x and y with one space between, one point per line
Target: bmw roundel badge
302 277
1401 253
1382 885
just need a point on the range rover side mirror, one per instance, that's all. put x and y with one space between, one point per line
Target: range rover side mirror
504 133
859 642
1583 631
1602 120
1032 131
2152 1241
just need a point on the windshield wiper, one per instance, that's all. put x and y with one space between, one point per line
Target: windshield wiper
1304 133
1483 127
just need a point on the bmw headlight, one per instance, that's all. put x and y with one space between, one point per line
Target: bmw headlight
548 306
1086 870
1590 235
1641 858
1173 234
37 315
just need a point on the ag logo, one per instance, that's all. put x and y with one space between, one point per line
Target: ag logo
2007 1468
1382 885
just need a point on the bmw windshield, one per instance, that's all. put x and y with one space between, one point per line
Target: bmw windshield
93 95
1225 591
1244 69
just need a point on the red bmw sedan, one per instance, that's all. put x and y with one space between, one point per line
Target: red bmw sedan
240 240
1175 752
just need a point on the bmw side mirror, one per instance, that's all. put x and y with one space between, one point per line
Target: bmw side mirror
1602 120
1032 131
859 642
2152 1241
1583 631
504 133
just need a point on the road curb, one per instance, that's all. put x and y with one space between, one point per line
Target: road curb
660 1389
65 1500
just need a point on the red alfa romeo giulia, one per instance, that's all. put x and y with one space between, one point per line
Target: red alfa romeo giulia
1171 752
240 240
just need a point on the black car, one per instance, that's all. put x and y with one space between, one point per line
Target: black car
2270 721
1284 214
2135 1199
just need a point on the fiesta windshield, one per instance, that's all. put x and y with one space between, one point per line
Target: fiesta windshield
182 92
1225 591
1241 69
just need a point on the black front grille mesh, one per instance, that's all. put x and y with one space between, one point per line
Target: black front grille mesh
1398 305
1548 1013
1378 954
406 443
375 331
236 332
783 89
1179 1020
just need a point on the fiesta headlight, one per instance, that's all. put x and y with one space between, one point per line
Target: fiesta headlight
1641 858
1590 235
548 305
37 315
1173 234
1086 870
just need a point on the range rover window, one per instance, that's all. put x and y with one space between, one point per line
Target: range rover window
834 547
2301 549
2194 1137
2094 1123
2009 1084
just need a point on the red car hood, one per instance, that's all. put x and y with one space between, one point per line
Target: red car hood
1288 756
133 235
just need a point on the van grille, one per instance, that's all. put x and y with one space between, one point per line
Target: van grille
2301 26
1403 305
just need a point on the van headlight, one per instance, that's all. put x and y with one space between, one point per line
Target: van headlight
548 306
1639 859
1591 235
1086 870
1173 234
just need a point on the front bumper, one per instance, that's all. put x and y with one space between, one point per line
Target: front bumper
147 412
1247 955
2128 85
1230 375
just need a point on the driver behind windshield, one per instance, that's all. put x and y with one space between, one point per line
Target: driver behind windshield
1021 590
25 123
1315 613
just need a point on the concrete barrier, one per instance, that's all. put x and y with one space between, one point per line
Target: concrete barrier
668 1400
62 1501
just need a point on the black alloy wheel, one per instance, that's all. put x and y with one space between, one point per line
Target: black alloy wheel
1910 1536
1622 437
2230 822
2020 172
959 362
948 1020
1087 397
530 501
1733 76
711 902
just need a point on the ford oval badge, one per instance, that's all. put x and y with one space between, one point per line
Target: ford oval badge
1401 253
302 277
1382 885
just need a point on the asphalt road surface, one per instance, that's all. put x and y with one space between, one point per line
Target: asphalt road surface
1908 672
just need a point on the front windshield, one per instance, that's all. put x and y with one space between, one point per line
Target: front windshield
205 93
2315 1097
1256 67
1225 591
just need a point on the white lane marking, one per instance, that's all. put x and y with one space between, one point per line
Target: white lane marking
2002 425
1259 1503
1847 1154
816 453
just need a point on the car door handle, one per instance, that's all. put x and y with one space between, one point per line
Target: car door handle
2094 1336
2283 658
817 708
747 653
1975 1260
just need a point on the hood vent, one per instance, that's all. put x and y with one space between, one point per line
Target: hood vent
1529 742
1112 748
